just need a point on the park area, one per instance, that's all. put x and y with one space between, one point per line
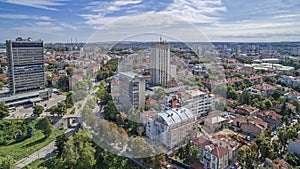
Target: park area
20 138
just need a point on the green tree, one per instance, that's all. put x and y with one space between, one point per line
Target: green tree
231 93
248 156
61 109
38 109
45 126
265 147
60 143
121 118
268 104
20 136
53 110
30 130
3 110
110 111
63 83
69 71
292 158
69 100
7 162
158 94
78 152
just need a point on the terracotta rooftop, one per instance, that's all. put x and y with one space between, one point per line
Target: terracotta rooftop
291 106
293 94
55 78
257 121
217 150
249 109
282 164
253 77
269 114
264 87
231 101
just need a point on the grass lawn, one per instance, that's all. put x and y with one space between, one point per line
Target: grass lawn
50 163
25 148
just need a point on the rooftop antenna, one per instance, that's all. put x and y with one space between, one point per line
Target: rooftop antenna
160 39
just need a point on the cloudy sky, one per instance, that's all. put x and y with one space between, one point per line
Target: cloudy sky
186 20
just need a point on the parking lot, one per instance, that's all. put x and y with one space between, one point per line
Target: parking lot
21 112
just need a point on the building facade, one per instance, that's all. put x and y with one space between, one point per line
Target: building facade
160 64
171 128
132 90
25 65
200 102
213 155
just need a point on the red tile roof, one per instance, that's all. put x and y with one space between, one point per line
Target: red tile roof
55 78
247 108
264 87
217 150
269 114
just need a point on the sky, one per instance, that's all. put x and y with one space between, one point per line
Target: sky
180 20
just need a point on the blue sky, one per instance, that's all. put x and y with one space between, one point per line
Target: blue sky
186 20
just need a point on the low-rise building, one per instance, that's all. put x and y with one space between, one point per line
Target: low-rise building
55 81
214 123
281 164
265 89
250 125
213 155
293 96
246 110
271 117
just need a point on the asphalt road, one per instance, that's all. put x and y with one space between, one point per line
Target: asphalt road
43 152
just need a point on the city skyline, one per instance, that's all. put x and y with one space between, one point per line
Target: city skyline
228 20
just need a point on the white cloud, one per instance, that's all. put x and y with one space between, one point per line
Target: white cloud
125 2
20 16
285 16
103 8
69 26
43 4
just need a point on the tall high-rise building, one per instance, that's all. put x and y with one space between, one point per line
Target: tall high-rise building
25 65
160 64
132 90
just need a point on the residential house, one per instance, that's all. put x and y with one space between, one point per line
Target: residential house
55 81
254 79
213 155
265 89
293 96
282 164
271 117
214 123
250 125
246 110
229 143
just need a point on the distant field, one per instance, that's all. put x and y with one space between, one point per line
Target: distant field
19 150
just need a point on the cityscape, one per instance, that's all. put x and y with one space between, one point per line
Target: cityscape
130 85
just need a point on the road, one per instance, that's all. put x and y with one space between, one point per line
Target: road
43 152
